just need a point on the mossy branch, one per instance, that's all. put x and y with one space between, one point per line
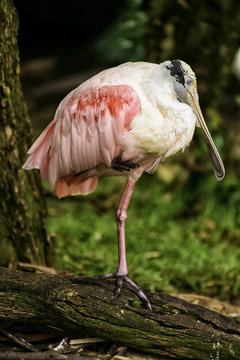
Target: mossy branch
175 328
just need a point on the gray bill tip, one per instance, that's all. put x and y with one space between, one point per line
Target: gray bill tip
216 161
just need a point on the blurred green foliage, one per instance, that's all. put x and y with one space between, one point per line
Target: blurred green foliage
183 232
123 40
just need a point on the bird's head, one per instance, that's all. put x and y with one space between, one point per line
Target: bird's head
185 86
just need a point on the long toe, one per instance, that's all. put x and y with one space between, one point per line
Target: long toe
138 291
119 285
106 276
119 282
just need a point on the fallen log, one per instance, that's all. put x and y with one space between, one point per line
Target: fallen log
175 328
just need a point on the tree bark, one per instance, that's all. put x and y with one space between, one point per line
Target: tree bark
22 209
175 328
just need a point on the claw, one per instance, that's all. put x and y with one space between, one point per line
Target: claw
123 280
138 291
118 287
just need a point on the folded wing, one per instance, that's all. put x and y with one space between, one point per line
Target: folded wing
87 131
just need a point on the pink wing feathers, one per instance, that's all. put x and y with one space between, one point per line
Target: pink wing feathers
86 132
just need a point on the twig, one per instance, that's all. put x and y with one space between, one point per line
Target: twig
10 355
19 340
86 341
37 268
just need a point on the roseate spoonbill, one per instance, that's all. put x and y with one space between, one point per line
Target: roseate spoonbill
123 121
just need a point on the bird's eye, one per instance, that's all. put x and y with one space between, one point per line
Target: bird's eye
188 81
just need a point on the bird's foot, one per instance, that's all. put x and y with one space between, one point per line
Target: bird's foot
121 166
123 280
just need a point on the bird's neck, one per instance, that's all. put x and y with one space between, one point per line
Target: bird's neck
160 93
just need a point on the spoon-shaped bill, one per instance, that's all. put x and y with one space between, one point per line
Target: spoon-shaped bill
215 158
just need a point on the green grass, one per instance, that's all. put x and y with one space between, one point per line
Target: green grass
182 232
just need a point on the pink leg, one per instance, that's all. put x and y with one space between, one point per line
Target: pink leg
121 219
122 271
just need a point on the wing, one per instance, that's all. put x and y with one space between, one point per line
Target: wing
87 131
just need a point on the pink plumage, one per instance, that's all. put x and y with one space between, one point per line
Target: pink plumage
86 132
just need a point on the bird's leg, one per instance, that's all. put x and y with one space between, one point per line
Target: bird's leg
122 271
121 218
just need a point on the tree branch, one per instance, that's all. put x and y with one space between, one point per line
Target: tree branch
175 328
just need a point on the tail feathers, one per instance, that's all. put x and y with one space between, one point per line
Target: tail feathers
75 185
39 157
